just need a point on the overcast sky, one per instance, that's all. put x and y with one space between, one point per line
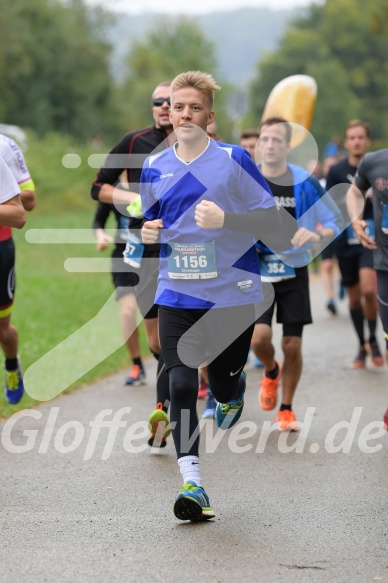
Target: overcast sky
192 7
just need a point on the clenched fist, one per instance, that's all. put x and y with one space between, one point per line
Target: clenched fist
208 215
150 231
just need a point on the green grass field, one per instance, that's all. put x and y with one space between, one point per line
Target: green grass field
52 304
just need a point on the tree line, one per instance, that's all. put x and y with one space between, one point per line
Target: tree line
343 44
55 69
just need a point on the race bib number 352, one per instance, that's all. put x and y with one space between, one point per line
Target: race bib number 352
274 270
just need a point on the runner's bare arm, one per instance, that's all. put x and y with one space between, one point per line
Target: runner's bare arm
12 213
28 199
303 236
209 215
116 195
353 198
150 231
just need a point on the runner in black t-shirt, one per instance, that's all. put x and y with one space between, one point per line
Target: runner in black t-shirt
124 281
372 172
327 258
128 156
297 192
355 261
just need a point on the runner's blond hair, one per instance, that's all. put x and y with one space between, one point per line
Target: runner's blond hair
199 80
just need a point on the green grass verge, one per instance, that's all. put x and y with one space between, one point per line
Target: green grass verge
52 304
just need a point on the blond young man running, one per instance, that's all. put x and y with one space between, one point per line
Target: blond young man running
203 198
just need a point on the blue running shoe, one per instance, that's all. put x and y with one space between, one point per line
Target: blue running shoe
14 387
136 376
192 503
209 411
227 414
341 292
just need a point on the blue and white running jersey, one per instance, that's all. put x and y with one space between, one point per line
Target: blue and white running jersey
204 268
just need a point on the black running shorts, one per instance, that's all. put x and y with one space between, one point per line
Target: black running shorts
196 337
141 281
292 301
329 251
7 276
350 265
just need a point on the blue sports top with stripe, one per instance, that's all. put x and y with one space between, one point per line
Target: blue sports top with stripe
204 268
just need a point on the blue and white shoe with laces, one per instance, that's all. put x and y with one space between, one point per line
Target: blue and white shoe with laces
227 414
192 503
209 411
14 386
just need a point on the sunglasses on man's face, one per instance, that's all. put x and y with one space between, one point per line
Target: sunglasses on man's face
160 100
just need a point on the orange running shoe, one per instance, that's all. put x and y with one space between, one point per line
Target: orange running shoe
286 420
377 361
202 388
359 361
268 392
136 376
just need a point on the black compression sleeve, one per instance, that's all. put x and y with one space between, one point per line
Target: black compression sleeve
258 222
273 225
101 215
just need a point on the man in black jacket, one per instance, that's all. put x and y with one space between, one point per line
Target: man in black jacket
127 157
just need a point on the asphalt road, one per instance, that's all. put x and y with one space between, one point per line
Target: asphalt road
80 504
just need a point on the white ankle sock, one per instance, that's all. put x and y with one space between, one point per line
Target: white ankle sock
189 468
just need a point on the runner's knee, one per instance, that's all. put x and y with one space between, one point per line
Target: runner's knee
183 383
